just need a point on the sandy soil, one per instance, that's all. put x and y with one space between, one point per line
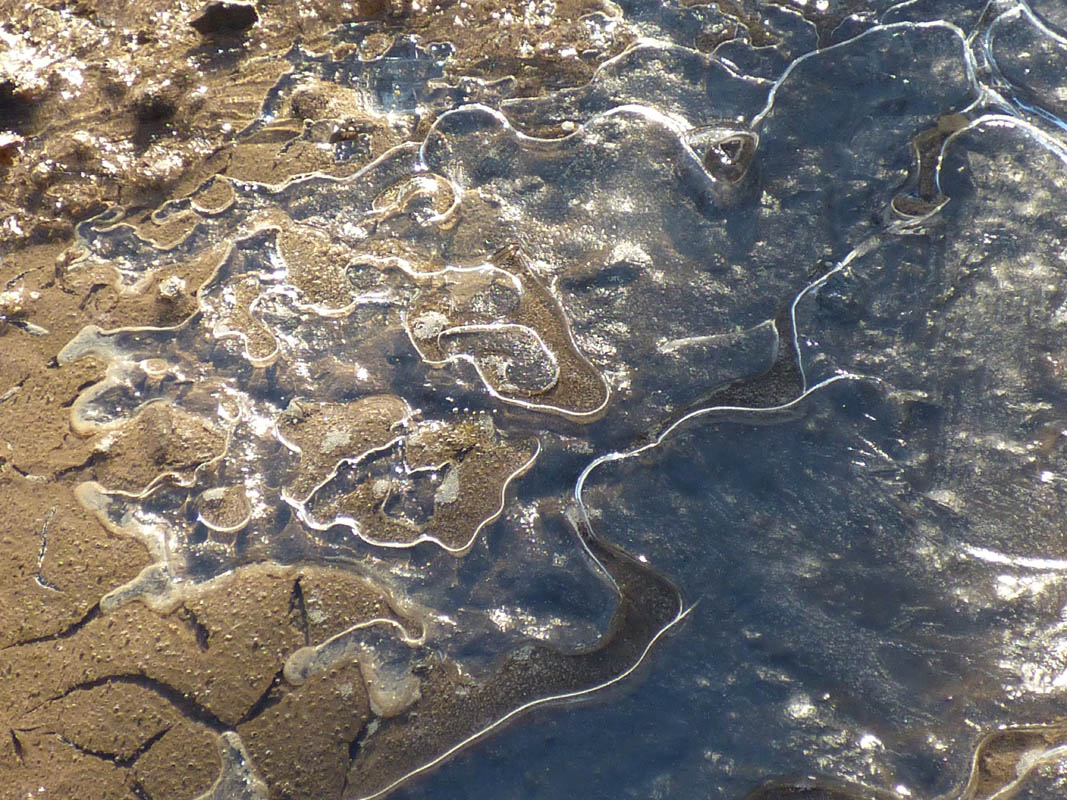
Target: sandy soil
105 102
109 103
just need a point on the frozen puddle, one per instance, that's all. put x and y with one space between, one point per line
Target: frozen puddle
723 366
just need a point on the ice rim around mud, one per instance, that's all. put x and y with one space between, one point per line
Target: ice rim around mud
492 326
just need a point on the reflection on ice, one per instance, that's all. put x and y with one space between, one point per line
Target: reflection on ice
676 80
1031 57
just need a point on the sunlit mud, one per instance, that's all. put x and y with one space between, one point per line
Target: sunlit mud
738 364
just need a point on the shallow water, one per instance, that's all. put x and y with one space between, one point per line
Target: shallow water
782 321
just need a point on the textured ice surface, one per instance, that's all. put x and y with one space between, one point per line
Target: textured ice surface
678 81
783 323
1031 57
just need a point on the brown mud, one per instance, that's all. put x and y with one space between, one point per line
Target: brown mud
102 104
118 103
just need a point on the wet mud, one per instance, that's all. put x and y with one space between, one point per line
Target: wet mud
373 374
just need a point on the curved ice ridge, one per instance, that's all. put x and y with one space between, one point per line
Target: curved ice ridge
395 354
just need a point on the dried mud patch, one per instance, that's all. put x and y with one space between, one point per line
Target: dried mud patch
137 698
57 561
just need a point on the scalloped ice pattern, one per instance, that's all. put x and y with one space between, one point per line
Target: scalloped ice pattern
773 326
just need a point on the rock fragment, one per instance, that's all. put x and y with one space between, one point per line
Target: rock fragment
10 147
224 18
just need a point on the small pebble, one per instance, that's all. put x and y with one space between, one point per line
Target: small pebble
224 18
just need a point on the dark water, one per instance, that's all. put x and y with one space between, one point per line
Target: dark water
820 286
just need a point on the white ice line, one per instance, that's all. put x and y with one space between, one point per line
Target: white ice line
701 412
877 29
1024 562
681 615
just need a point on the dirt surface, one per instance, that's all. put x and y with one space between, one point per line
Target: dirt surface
109 103
106 103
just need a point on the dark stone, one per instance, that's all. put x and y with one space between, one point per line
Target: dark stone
155 105
729 157
224 18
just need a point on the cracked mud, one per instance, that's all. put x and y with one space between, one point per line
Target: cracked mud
373 374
